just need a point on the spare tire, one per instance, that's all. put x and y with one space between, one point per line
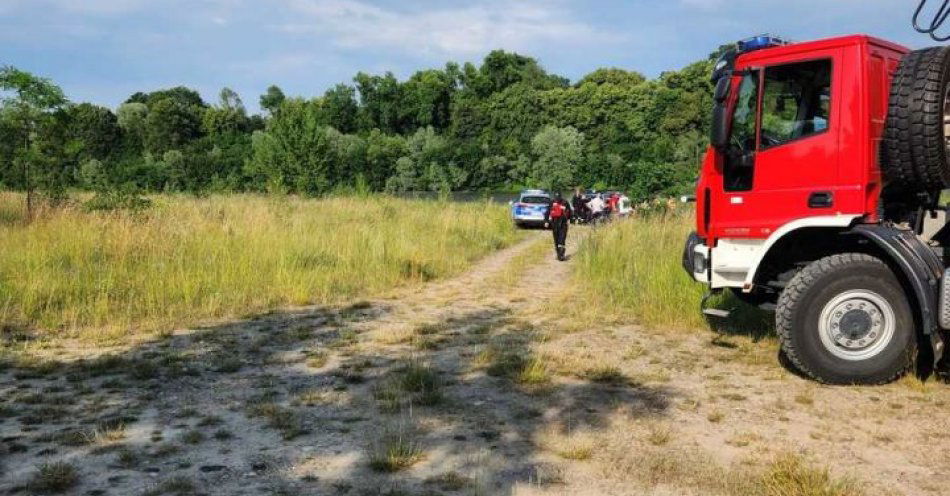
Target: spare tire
914 148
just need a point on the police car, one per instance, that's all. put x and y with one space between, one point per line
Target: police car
530 208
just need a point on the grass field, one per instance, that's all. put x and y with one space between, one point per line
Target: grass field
186 259
634 271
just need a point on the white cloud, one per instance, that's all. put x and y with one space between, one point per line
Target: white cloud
469 30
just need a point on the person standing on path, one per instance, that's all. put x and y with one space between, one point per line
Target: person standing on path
557 216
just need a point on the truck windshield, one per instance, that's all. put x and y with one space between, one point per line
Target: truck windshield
738 170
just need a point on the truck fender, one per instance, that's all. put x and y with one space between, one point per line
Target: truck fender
830 221
921 268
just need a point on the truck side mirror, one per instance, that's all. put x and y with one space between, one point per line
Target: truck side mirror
719 132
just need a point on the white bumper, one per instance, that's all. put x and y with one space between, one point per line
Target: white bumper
734 262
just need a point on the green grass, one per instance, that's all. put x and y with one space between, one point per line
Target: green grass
187 259
634 270
395 447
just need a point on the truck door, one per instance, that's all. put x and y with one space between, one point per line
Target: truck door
782 161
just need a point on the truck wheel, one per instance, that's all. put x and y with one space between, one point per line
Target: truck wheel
845 319
914 149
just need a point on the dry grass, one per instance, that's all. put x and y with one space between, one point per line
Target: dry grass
661 462
790 475
395 447
187 259
53 478
278 417
570 445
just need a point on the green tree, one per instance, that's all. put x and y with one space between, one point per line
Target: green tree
228 117
292 153
96 128
382 152
558 152
272 99
501 69
29 109
613 76
380 102
426 100
132 118
427 166
340 109
171 124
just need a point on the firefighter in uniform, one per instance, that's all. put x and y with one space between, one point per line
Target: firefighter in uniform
557 216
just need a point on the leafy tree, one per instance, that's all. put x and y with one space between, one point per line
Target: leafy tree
96 128
380 102
427 165
132 118
229 117
558 152
502 69
382 152
426 100
272 99
614 76
292 153
181 94
171 124
340 109
28 111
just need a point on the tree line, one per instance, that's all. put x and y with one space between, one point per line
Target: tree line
504 124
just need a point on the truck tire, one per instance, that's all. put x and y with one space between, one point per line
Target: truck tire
914 148
845 319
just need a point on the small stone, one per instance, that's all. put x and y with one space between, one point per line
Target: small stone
460 437
212 468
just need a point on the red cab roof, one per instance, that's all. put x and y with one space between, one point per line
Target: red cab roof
809 46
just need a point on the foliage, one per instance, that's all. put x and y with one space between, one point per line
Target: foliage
504 124
37 148
558 153
272 99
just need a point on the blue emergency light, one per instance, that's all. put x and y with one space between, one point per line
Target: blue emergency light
760 42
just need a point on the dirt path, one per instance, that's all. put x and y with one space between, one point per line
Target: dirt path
464 386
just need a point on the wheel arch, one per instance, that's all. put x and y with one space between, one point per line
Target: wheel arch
914 264
798 235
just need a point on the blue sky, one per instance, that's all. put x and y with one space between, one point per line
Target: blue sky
104 50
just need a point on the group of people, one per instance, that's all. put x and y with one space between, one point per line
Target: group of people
596 207
589 208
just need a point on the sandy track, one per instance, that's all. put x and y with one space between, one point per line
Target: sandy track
291 403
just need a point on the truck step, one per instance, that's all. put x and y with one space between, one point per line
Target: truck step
715 312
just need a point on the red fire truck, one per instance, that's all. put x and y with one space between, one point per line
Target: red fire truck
826 158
